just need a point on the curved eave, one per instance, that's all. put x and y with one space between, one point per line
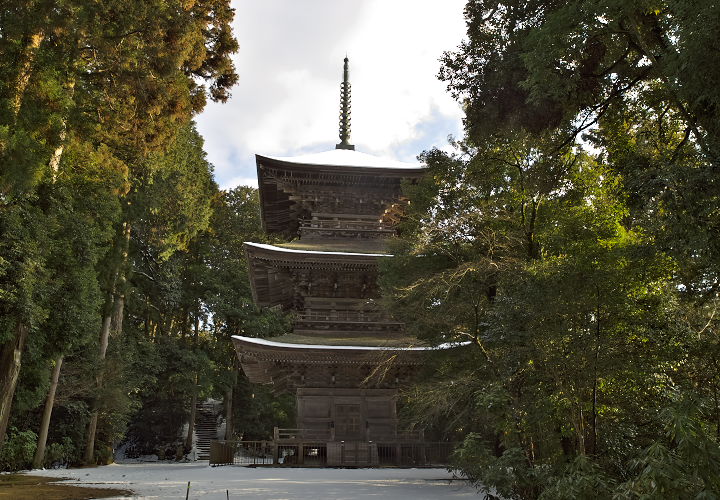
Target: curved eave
276 205
265 344
364 164
281 251
263 361
264 260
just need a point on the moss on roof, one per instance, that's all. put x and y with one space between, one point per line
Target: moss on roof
353 246
339 340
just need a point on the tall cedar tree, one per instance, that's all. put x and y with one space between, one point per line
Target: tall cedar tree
572 238
113 74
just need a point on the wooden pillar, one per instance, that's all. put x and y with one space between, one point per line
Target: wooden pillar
276 437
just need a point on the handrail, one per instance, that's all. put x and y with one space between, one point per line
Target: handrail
346 316
321 453
345 224
284 434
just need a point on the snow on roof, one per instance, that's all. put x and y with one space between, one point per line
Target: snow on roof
314 252
345 158
270 343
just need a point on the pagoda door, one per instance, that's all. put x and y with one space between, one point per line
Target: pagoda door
349 422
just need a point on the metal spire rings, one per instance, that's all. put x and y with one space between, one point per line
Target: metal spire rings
345 110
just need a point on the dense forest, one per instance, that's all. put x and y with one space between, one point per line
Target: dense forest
121 267
573 237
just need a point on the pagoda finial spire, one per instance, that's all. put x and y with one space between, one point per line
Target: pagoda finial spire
345 110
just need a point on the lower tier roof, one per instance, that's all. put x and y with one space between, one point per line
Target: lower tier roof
272 362
357 246
309 249
292 342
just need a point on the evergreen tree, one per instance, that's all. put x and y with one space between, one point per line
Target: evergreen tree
570 239
115 75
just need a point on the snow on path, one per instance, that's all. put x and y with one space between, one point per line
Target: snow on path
169 480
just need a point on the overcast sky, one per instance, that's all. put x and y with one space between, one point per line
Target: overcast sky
290 67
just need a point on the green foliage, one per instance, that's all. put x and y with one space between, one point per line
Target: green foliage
684 464
128 83
22 265
261 411
581 478
510 475
184 308
236 219
577 337
172 201
582 268
18 450
91 110
170 363
60 453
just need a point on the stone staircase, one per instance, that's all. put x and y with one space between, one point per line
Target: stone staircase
205 428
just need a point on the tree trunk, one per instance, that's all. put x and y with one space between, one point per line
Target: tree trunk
27 59
92 426
89 457
47 413
111 322
116 325
10 359
191 422
57 154
193 404
229 431
581 433
592 449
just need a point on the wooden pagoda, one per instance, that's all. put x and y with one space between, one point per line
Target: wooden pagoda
345 357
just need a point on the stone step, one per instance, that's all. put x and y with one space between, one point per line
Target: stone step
206 425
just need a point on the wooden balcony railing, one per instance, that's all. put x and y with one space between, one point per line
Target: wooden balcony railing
332 453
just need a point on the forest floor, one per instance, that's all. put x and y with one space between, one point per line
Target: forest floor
170 480
28 487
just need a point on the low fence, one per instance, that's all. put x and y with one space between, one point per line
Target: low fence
241 452
280 434
415 454
331 453
400 436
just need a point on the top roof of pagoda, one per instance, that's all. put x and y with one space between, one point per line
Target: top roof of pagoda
287 182
344 158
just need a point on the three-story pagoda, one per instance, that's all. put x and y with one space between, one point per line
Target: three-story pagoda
345 357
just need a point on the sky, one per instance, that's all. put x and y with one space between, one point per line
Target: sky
290 66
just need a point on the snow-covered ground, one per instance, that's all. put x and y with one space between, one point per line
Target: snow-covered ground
169 480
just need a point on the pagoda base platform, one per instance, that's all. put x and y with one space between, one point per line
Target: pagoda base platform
295 453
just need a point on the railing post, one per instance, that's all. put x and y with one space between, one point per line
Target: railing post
301 454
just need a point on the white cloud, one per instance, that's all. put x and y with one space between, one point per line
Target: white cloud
233 182
290 67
